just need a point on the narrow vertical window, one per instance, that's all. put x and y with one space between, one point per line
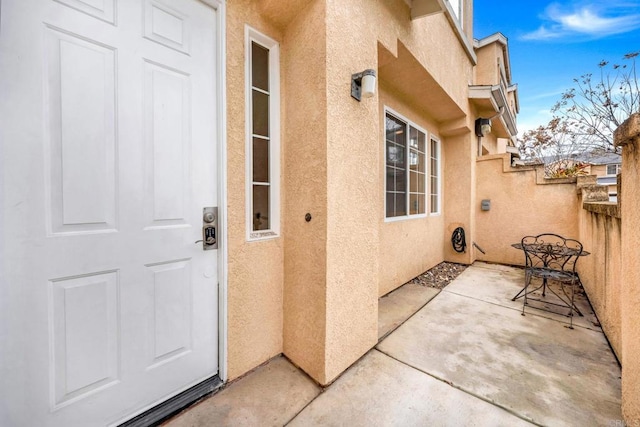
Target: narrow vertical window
396 137
417 163
405 168
263 171
434 187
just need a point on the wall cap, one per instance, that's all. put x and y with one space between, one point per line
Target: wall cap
628 132
595 193
603 208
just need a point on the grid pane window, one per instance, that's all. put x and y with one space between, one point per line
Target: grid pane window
262 135
405 168
434 189
613 169
261 61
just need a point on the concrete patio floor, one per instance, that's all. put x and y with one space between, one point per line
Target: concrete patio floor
466 357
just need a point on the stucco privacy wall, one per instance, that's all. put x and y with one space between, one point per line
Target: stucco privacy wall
600 272
255 269
628 136
521 204
407 247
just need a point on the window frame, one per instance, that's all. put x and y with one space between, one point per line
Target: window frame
618 167
438 211
273 47
409 124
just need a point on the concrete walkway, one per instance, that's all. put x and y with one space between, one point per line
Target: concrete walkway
467 358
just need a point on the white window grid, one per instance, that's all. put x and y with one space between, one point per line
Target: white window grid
253 36
426 174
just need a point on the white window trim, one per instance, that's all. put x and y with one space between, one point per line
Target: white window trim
459 12
432 137
384 162
251 35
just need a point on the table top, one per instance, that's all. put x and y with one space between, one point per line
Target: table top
545 248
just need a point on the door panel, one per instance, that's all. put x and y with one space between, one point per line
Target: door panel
82 193
108 158
84 335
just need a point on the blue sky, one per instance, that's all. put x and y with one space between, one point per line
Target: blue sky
553 42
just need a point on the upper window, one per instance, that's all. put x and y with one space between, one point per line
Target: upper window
405 168
263 135
613 169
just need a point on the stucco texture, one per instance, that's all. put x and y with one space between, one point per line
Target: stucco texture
520 206
628 135
305 177
255 269
352 182
600 272
459 193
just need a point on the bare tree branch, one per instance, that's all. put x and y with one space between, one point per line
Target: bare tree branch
594 108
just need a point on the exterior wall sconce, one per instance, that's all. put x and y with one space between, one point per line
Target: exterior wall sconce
363 85
483 127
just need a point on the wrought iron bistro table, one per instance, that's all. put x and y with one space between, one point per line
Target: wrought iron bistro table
544 249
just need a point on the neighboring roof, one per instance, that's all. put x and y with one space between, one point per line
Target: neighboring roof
605 159
590 158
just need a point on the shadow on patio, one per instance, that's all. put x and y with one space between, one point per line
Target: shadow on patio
468 357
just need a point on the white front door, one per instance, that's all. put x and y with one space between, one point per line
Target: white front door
109 155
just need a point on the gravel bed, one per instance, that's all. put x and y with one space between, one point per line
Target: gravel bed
439 276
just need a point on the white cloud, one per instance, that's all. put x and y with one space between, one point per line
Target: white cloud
593 21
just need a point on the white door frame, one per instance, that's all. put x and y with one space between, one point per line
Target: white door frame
221 117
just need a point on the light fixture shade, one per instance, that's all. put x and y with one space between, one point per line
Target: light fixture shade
483 127
368 83
363 85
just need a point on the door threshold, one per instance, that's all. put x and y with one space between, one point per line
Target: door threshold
157 414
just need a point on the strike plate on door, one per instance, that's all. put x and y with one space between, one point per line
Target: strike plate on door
209 226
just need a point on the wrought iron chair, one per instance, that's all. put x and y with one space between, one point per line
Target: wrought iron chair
550 257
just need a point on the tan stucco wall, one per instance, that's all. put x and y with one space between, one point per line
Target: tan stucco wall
408 247
352 185
430 39
459 192
255 270
487 71
600 272
519 207
629 134
305 177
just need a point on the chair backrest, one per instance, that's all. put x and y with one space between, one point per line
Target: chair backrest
551 251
